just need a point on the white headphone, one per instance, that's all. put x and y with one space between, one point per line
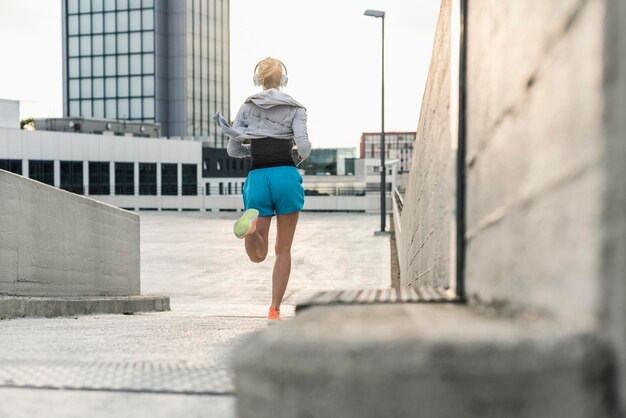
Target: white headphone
283 79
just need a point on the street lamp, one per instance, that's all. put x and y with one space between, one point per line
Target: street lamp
383 188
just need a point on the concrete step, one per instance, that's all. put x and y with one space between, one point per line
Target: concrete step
24 306
416 360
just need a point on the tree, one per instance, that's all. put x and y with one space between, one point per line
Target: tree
28 123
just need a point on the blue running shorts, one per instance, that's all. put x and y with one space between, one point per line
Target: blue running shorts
274 190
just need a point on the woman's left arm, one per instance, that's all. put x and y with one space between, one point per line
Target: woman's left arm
300 134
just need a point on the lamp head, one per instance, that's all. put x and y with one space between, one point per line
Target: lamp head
375 13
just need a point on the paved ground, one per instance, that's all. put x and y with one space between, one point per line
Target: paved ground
176 363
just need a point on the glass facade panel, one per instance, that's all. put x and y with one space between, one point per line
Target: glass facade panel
85 108
135 86
122 109
124 178
98 87
135 64
147 179
97 66
148 86
41 170
122 43
135 108
122 4
73 67
109 66
98 45
190 179
72 176
122 65
74 89
74 108
85 88
85 45
147 21
148 108
109 22
85 67
72 46
98 108
109 44
169 179
148 41
122 86
85 6
135 20
97 23
72 6
97 5
110 107
72 25
109 4
109 87
85 24
134 4
148 3
148 63
135 42
122 21
99 183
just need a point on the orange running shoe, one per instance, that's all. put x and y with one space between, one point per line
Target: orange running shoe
273 316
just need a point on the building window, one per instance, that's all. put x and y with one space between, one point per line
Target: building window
169 179
99 183
42 171
124 178
221 188
208 189
14 166
230 188
147 179
72 176
190 179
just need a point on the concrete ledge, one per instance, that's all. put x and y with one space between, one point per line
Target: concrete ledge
420 361
18 306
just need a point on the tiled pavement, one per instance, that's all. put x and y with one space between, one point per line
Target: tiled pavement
162 364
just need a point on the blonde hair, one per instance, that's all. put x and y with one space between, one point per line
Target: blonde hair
270 73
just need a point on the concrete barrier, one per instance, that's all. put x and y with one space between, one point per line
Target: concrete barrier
55 243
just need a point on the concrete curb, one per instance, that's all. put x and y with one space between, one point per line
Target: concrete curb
21 306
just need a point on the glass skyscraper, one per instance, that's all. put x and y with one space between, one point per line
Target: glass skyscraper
164 61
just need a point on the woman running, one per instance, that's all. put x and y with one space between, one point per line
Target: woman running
271 120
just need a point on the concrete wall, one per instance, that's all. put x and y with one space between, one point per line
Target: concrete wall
428 199
55 243
535 174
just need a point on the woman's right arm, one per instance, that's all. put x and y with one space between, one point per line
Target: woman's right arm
235 148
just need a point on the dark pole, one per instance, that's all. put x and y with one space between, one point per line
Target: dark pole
383 170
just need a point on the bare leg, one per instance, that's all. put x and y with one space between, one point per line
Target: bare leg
286 227
257 242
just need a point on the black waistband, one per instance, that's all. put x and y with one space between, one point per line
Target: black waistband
271 152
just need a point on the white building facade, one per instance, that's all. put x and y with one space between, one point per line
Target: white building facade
154 174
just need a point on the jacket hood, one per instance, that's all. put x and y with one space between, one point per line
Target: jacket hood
272 97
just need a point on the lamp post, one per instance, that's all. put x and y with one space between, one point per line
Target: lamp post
383 188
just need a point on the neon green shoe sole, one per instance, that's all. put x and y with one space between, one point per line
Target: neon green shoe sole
246 224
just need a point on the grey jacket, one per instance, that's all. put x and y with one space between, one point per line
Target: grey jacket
270 113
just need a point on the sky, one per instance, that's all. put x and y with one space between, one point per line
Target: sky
332 53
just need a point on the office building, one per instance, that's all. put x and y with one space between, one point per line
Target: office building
150 61
330 162
399 146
